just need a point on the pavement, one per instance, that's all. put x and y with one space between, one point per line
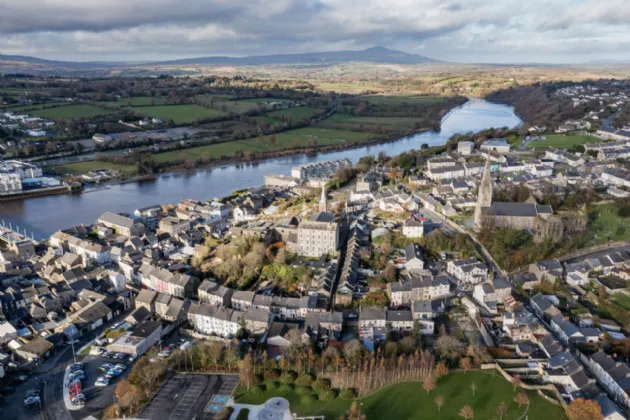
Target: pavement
190 396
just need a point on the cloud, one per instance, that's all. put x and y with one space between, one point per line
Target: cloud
464 30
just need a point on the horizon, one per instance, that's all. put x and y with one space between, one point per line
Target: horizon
565 32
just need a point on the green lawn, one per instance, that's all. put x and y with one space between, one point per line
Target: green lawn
351 119
622 300
605 224
141 101
180 114
296 114
563 142
407 400
395 100
84 167
71 111
302 136
20 108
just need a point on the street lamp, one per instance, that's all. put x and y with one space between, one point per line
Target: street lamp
74 355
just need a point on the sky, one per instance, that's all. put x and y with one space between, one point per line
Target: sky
479 31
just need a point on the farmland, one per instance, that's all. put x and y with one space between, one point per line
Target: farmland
397 100
70 112
296 114
383 121
180 114
563 142
309 136
141 101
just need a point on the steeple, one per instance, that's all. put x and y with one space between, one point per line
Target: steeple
484 194
323 203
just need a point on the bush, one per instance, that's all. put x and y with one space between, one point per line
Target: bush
308 399
225 414
271 385
304 380
286 388
321 384
348 394
304 390
288 377
328 395
257 390
271 375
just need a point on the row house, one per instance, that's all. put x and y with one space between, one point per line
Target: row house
543 307
217 320
286 307
212 293
407 291
468 271
491 294
372 322
323 326
616 177
550 270
91 251
162 280
615 376
399 320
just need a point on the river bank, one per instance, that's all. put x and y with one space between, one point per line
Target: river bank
45 215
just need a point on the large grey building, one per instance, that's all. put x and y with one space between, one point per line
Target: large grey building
318 235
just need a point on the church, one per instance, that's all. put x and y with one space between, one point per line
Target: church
537 218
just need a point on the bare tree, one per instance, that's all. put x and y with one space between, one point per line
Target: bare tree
246 371
467 412
502 410
521 399
439 401
428 384
516 382
465 364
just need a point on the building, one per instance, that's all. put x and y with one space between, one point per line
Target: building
414 259
469 271
318 236
323 200
121 224
413 228
149 216
10 183
401 320
614 376
500 146
465 148
173 226
144 336
214 294
370 319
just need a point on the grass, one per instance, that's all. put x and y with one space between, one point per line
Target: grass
302 136
141 101
268 120
396 100
86 351
622 300
388 121
563 142
407 400
71 111
261 100
243 414
607 224
296 114
85 167
180 114
20 108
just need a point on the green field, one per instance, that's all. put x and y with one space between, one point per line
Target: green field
563 142
180 114
84 167
303 137
396 100
71 111
391 121
141 101
607 224
407 400
296 114
261 100
268 120
20 108
622 300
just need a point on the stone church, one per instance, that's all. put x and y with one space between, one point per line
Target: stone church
537 218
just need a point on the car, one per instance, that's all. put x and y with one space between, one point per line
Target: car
77 377
185 345
105 367
102 381
121 366
76 383
77 365
7 390
21 378
132 359
32 402
120 356
164 354
32 393
172 346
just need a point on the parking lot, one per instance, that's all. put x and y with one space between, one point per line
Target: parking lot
191 396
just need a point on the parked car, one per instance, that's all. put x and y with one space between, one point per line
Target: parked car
101 382
132 359
78 376
121 366
21 378
105 367
185 345
32 393
32 402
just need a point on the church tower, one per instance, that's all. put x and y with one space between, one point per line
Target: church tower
484 195
323 203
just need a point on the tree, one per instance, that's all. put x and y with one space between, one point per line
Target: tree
352 350
582 409
439 401
441 370
390 273
516 381
467 412
465 364
502 410
246 371
353 413
448 347
521 399
408 344
473 387
428 384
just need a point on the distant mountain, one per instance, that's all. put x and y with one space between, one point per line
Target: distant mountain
377 55
371 55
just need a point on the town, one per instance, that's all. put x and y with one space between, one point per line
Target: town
335 281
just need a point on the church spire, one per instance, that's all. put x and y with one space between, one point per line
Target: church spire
484 194
323 203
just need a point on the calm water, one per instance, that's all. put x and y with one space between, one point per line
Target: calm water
45 215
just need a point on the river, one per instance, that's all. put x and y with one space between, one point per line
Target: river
43 216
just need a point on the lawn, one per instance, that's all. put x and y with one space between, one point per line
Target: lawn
180 114
563 142
25 108
302 136
622 300
606 224
71 111
407 400
351 119
396 100
141 101
85 167
296 114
